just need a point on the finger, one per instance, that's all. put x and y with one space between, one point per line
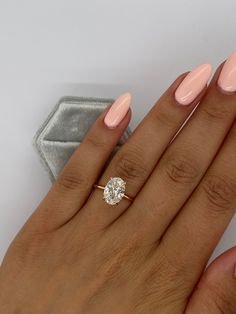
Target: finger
137 158
202 221
182 165
215 292
76 181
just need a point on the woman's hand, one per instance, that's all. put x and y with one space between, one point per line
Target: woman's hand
78 254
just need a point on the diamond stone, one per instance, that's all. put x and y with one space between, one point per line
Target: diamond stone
114 191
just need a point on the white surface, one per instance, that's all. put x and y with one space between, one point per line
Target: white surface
49 49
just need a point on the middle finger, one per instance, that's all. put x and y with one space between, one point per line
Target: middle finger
182 166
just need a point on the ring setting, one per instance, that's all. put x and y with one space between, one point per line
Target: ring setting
114 191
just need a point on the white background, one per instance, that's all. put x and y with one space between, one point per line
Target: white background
52 48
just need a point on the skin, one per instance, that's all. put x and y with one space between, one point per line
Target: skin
76 254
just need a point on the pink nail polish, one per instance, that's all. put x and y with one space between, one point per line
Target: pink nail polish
227 78
118 111
193 84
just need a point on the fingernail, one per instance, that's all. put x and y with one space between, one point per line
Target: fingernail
227 78
118 111
193 84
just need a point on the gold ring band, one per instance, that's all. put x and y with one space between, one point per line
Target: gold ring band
101 187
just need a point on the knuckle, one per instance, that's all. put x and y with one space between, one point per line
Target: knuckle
180 169
165 278
217 112
165 266
130 166
120 256
220 192
71 181
176 268
161 115
31 248
96 141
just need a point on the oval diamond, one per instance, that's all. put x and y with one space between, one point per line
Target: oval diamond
114 191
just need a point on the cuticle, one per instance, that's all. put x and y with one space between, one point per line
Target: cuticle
224 92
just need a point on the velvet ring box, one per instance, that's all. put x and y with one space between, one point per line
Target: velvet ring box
65 128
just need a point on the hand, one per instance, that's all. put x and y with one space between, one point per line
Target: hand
78 254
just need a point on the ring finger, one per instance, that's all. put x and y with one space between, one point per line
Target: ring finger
136 159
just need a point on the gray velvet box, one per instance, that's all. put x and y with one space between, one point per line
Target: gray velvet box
65 128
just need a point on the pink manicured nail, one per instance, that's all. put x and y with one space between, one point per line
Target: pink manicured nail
118 111
227 78
193 84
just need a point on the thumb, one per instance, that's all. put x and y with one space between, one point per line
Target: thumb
216 291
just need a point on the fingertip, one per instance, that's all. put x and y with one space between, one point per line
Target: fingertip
193 84
118 111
